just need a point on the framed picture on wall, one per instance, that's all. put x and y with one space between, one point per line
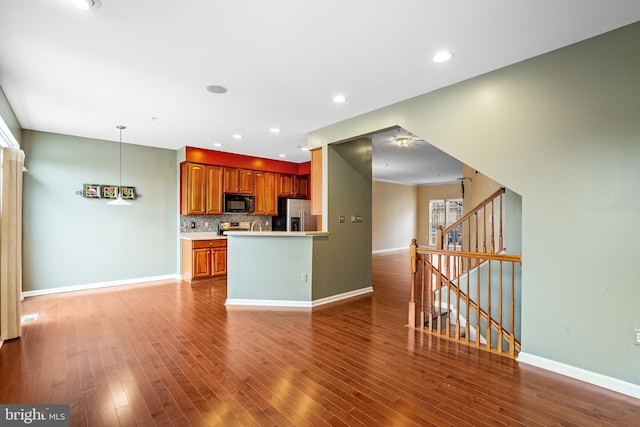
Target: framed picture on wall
128 192
110 191
91 191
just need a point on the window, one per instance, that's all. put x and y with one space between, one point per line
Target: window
443 213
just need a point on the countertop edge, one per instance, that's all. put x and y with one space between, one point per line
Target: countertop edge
277 233
201 235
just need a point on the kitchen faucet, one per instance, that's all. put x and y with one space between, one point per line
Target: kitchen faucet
259 225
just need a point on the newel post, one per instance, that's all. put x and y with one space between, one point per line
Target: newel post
413 263
439 241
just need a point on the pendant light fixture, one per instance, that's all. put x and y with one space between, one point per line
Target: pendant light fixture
120 201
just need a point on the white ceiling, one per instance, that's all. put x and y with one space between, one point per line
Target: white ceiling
76 72
420 163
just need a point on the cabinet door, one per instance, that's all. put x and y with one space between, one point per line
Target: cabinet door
214 190
201 263
230 180
300 186
260 200
194 186
271 194
285 185
266 202
316 182
239 181
219 261
246 181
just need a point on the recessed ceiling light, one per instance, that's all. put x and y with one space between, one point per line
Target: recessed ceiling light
282 155
237 136
303 148
441 57
217 144
86 4
217 89
275 130
339 99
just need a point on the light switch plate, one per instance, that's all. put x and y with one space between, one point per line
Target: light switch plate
341 219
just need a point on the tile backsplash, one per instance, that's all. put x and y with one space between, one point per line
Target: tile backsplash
211 222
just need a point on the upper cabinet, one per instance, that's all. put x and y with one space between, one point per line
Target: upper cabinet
214 190
294 186
316 182
201 188
239 181
266 201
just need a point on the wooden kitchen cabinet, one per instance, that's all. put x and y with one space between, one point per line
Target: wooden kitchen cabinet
316 183
266 200
203 259
201 188
300 186
239 181
294 186
214 190
201 263
193 184
219 260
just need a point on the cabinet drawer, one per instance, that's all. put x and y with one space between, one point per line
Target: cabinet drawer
199 244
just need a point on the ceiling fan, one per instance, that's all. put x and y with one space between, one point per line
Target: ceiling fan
404 139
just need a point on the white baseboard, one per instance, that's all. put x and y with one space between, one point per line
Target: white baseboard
99 285
266 303
381 251
339 297
594 378
300 304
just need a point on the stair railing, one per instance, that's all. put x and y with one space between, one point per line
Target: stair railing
458 307
478 228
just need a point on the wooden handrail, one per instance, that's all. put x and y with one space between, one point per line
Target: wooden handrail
472 304
476 255
444 281
413 266
438 280
469 214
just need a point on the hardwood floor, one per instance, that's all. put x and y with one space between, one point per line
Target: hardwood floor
170 353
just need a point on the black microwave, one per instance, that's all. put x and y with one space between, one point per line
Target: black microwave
238 203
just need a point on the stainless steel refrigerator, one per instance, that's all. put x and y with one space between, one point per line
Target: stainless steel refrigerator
294 215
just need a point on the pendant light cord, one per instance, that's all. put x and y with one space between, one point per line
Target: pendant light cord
120 186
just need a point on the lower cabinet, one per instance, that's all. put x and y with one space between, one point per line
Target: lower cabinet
203 259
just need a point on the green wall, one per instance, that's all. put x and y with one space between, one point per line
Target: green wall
269 268
563 131
342 261
73 241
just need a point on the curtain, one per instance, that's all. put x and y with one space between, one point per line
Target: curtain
10 242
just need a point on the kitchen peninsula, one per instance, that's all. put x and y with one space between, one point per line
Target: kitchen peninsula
274 268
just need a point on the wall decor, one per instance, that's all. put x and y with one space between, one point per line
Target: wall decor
128 192
91 191
109 191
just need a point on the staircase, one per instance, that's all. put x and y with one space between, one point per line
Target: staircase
469 293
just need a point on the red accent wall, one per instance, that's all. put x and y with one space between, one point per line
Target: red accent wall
220 158
304 168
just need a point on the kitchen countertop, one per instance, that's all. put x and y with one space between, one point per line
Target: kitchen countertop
277 233
201 235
